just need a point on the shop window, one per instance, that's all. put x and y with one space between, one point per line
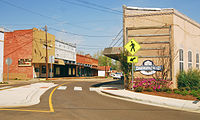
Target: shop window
197 60
70 72
37 69
74 72
57 70
181 60
43 69
189 59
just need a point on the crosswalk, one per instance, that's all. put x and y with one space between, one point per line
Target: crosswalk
76 88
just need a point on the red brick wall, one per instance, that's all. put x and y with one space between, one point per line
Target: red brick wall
18 45
86 60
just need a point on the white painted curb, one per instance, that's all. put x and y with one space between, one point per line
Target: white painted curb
164 101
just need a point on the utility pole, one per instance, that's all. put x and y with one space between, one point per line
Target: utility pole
47 69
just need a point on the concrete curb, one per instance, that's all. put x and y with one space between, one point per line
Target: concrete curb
157 100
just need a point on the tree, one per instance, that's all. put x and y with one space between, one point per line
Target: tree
105 61
125 67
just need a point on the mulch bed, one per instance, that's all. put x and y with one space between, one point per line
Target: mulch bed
171 95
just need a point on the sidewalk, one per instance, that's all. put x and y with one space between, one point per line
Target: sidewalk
187 105
24 95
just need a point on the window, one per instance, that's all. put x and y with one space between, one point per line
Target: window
70 72
57 70
197 60
189 59
181 60
37 69
43 69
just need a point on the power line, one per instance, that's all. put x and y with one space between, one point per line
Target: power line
120 43
36 13
87 6
76 34
118 40
100 6
90 46
115 37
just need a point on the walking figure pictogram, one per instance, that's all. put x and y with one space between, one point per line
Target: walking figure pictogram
132 46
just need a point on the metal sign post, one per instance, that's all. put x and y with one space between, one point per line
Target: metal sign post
51 60
132 47
8 62
132 77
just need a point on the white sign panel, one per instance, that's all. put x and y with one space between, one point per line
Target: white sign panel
1 53
148 68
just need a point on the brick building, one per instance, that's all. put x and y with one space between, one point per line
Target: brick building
27 50
86 65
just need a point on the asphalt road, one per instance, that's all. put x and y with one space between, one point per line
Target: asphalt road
76 104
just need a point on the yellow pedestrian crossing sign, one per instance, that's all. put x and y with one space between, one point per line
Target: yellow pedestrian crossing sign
132 46
132 59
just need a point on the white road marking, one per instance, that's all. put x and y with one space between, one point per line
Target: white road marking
5 87
62 88
78 88
92 89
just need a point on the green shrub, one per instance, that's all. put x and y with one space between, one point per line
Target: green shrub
189 79
195 88
164 89
138 89
198 91
184 93
169 92
184 88
148 89
3 82
177 92
198 98
158 90
194 93
187 88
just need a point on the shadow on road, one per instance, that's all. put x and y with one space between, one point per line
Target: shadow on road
114 84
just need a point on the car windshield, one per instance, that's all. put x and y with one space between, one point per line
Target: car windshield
117 73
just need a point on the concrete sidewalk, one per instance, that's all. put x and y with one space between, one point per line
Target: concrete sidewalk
23 96
187 105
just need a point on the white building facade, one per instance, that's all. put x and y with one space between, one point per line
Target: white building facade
1 53
65 51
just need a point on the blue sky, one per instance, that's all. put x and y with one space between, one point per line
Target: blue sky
83 19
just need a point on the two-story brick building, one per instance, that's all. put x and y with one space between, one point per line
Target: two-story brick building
27 50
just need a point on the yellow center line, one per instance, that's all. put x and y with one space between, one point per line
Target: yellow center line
50 104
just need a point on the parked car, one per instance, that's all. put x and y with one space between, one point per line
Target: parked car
112 74
118 75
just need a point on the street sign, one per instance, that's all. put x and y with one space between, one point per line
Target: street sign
132 59
8 61
132 46
51 59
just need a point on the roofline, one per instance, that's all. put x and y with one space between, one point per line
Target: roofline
173 11
70 44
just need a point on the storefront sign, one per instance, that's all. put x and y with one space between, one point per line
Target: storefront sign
148 68
25 62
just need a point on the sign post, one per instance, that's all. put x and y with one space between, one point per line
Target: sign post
52 60
8 62
132 46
